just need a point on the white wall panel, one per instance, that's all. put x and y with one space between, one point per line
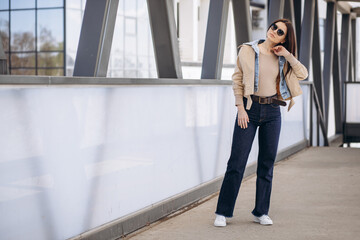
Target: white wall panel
72 159
352 104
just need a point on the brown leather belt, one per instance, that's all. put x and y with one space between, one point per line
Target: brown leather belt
267 100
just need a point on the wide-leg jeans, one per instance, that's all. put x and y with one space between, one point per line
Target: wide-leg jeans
266 117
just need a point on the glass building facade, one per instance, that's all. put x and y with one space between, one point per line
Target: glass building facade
37 34
33 33
132 53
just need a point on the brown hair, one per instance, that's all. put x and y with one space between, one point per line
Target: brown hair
290 40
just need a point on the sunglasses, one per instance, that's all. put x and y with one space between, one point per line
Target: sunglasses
279 32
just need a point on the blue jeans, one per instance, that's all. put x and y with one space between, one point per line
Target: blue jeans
268 118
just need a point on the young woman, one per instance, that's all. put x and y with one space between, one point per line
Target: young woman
267 73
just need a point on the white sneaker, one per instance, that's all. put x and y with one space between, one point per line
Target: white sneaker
263 220
220 221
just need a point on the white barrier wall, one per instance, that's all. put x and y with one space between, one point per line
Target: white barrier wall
75 158
352 104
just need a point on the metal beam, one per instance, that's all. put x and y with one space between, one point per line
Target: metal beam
257 6
242 21
356 11
215 39
353 15
297 12
328 53
289 12
345 46
316 60
351 58
353 40
276 10
344 7
307 33
339 101
38 81
96 35
166 47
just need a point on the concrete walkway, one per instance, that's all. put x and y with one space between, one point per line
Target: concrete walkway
315 195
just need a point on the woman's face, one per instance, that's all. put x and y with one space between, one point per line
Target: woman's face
277 32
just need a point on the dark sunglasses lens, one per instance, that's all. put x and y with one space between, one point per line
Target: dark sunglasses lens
273 26
280 32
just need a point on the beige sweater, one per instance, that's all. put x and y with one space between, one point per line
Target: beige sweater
268 72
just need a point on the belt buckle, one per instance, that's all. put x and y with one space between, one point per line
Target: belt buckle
260 102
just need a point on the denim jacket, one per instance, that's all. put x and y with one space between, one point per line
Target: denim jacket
246 75
284 90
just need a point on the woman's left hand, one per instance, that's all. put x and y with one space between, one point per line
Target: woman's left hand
280 51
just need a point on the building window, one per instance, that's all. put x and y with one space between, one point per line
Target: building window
132 53
32 34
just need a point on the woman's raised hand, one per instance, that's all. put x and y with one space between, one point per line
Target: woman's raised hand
280 51
243 118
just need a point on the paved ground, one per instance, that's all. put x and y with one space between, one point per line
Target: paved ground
316 195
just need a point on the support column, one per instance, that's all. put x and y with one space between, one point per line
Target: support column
339 103
297 13
96 35
328 53
166 47
351 59
316 60
242 19
276 10
353 40
215 39
289 12
344 57
345 47
307 33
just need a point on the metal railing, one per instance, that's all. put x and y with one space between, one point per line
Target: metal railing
83 81
98 81
320 122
